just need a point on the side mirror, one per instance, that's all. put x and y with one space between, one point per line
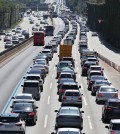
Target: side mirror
21 85
56 111
13 97
11 106
80 86
82 111
107 127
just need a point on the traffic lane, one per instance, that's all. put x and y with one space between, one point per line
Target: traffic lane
92 117
94 43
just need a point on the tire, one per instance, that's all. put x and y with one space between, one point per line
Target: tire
97 101
56 127
93 94
104 119
60 98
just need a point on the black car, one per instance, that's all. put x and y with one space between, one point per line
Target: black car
25 33
111 110
27 111
86 66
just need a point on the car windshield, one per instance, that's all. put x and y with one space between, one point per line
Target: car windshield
69 86
23 97
72 94
68 132
32 77
63 64
108 90
23 107
69 111
114 104
95 68
116 126
9 119
30 84
65 76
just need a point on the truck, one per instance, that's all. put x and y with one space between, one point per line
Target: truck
65 51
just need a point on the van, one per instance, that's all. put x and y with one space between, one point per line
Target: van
32 87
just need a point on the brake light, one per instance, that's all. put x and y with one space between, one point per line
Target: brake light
61 91
64 98
31 114
108 108
18 124
100 95
79 98
112 132
115 96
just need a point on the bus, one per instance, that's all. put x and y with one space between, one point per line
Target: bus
38 38
49 30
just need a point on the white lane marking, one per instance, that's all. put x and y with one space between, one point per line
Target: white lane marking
51 85
48 100
85 101
79 75
45 122
54 68
52 75
77 68
89 121
81 86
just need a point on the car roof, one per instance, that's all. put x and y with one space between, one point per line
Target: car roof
113 100
69 129
33 81
13 115
24 94
95 71
69 83
115 121
107 86
95 66
65 73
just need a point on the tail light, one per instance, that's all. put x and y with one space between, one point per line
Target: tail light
61 91
58 79
31 114
79 98
108 108
100 95
18 124
115 95
112 132
64 98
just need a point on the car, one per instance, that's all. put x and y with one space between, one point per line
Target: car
27 111
94 34
92 79
48 52
21 37
72 98
54 44
61 65
49 47
25 33
106 92
69 117
62 80
97 85
67 86
68 131
114 127
8 44
69 59
15 39
111 110
64 75
95 67
86 66
12 123
7 38
42 56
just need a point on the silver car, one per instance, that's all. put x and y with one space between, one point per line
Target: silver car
106 92
114 127
69 117
72 98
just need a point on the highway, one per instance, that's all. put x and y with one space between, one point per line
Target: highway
12 72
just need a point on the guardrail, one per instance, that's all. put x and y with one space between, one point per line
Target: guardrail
112 64
11 51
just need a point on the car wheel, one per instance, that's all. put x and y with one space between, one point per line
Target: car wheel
92 93
104 119
56 127
97 101
60 98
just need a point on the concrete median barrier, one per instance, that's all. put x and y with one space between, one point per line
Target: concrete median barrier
112 64
13 50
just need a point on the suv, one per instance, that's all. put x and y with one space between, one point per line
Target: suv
111 110
114 127
11 123
32 87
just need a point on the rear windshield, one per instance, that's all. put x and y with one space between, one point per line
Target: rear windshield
63 64
69 111
48 47
23 107
30 84
95 68
32 77
108 90
69 86
65 76
95 73
114 104
9 119
72 94
116 126
23 97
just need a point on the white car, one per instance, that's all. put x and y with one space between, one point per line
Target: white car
21 37
23 97
114 127
12 122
